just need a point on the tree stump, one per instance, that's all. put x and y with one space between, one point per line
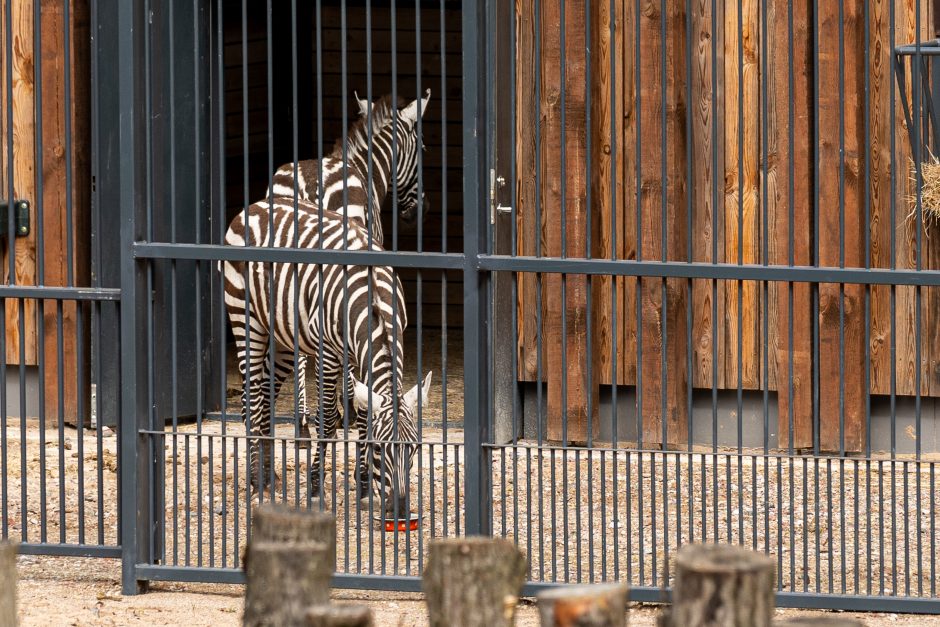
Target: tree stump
819 621
327 615
7 583
473 582
721 585
284 579
600 605
281 523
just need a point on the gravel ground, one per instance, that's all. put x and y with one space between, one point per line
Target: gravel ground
835 526
78 591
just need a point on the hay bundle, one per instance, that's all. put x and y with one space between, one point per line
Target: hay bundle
929 190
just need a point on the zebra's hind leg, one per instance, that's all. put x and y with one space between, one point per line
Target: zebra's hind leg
253 364
304 433
324 428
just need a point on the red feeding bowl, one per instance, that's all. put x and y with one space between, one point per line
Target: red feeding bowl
401 524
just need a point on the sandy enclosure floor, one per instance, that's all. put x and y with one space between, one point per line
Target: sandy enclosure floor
57 591
835 526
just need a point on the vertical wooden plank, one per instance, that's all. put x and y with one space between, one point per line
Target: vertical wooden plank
708 174
789 188
606 189
527 230
56 106
742 186
664 319
883 90
626 226
24 182
564 183
905 339
841 393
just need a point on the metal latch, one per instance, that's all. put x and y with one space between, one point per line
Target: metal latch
495 207
20 218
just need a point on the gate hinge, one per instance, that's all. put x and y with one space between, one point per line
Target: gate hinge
20 218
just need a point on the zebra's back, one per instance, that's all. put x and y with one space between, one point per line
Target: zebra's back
344 190
274 290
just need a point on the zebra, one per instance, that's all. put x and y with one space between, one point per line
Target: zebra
394 143
368 331
394 128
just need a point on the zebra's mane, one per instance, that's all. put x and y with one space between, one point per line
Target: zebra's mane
384 110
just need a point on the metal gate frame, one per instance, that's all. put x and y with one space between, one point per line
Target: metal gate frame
140 459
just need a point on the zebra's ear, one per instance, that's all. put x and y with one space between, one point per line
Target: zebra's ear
411 397
361 393
363 105
411 111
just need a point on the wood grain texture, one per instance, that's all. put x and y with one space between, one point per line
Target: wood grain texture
572 398
21 339
841 236
58 227
707 189
789 196
606 189
528 230
662 206
741 342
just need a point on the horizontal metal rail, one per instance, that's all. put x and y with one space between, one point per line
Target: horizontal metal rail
705 270
206 252
69 550
642 594
60 293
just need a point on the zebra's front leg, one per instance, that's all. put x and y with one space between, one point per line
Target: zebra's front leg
363 476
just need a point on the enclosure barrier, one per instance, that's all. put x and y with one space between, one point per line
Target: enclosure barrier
600 278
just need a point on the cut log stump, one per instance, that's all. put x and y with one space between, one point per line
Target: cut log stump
721 586
280 523
283 580
327 615
821 621
7 583
600 605
473 582
289 564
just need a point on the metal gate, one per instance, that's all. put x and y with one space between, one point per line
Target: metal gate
676 284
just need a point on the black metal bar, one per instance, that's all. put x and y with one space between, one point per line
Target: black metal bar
134 467
477 475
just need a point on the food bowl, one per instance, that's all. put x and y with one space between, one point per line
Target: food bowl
400 524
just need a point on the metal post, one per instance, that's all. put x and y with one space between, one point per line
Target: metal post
135 477
475 283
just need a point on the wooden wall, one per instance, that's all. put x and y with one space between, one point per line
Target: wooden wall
437 50
40 174
759 137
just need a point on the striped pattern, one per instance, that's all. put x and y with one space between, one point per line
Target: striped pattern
341 310
382 147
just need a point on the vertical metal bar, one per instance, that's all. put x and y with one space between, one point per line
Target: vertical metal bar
134 478
476 390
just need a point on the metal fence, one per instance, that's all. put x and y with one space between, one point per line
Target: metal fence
677 283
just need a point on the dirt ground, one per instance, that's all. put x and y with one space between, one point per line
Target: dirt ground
75 591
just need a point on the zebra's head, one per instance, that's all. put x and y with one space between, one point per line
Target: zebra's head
412 207
392 446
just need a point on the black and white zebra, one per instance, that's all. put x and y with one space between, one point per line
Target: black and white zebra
337 316
386 133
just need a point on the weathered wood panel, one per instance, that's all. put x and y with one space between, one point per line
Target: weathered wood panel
707 188
606 187
661 125
741 110
841 237
571 397
529 231
789 197
21 339
59 228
